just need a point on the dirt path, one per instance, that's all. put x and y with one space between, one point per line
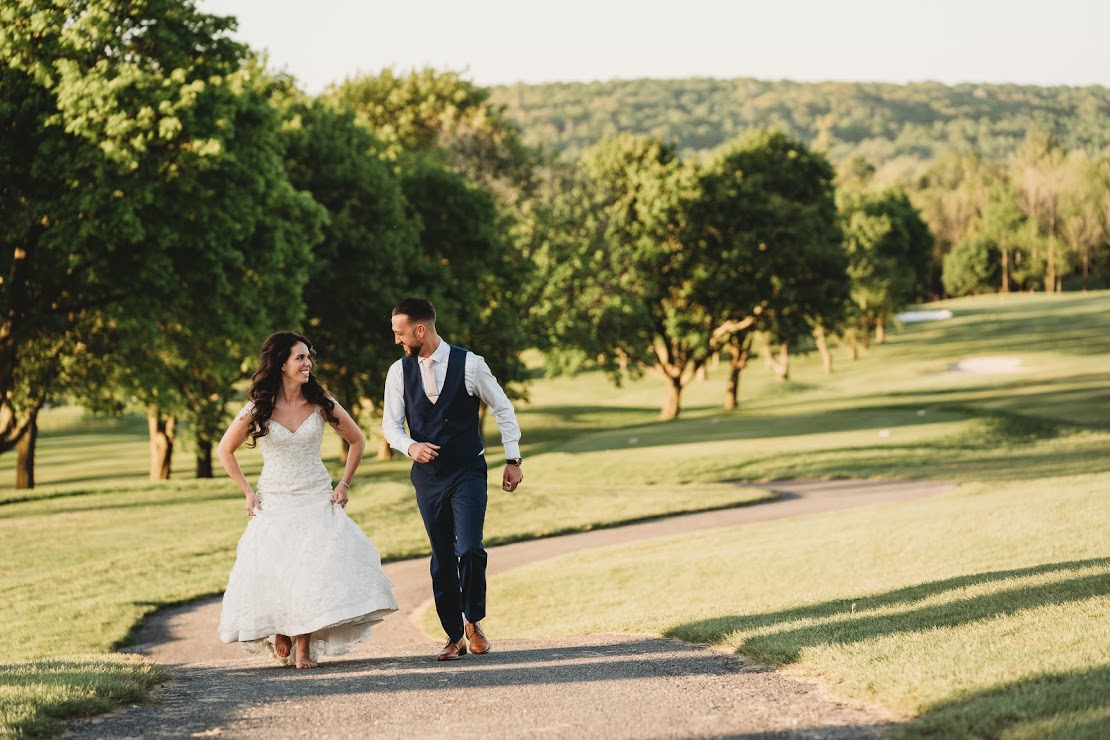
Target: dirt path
634 686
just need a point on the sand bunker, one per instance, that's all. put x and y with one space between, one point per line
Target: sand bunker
914 317
986 365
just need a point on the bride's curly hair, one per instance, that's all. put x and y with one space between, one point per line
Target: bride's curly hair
266 383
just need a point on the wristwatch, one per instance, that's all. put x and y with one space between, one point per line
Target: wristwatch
513 460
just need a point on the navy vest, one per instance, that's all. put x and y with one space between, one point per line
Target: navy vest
451 422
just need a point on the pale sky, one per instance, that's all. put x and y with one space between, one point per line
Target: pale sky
1039 42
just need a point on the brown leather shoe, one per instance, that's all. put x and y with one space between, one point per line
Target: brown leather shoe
452 650
479 644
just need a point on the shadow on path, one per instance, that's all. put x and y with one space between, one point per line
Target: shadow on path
597 686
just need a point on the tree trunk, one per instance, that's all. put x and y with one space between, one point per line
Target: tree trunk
25 454
385 452
674 397
823 348
1050 268
853 345
204 458
737 363
1005 270
880 331
162 430
780 366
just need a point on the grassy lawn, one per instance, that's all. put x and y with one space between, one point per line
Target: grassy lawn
85 563
981 612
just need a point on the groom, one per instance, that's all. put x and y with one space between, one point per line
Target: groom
438 390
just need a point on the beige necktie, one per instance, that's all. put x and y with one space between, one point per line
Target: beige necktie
427 367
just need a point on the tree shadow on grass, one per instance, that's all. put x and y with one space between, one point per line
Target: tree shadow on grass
1049 705
785 634
1072 705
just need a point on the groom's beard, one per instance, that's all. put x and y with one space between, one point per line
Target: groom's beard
413 351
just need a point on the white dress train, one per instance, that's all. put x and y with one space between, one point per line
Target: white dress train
302 566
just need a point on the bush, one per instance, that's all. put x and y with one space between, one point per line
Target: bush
972 267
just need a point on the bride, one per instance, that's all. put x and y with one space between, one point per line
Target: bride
303 570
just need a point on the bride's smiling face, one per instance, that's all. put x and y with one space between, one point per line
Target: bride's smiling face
299 364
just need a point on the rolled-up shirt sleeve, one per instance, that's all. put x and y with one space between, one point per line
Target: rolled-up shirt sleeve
481 383
393 413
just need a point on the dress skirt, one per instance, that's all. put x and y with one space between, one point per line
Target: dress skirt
303 566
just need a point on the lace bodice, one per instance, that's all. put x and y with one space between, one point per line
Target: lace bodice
291 459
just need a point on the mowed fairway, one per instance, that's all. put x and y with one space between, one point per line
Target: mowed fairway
984 612
980 612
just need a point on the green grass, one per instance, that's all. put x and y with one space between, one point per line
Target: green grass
979 613
36 698
86 564
908 605
975 613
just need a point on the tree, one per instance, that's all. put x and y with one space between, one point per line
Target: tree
764 218
886 240
362 265
1002 222
141 165
428 110
1038 173
448 139
616 280
466 269
952 197
1083 225
972 267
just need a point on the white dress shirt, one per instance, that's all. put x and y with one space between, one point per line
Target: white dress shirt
479 382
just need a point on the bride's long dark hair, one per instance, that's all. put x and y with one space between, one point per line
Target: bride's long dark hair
266 383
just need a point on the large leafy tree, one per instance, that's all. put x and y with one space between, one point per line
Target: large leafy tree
247 235
888 247
1001 232
365 260
427 110
450 143
765 220
466 268
140 167
615 280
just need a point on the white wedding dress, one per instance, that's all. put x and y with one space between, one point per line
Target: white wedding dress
302 566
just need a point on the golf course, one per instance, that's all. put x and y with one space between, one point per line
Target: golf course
980 612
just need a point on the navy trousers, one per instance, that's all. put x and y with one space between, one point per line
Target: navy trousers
453 505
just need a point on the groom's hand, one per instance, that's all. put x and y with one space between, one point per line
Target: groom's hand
511 478
423 452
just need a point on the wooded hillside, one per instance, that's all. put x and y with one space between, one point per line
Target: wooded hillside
897 128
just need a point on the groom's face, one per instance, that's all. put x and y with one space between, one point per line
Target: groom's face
408 334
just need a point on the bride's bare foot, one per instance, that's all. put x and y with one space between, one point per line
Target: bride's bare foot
282 645
303 659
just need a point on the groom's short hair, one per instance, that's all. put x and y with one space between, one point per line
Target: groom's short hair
419 310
